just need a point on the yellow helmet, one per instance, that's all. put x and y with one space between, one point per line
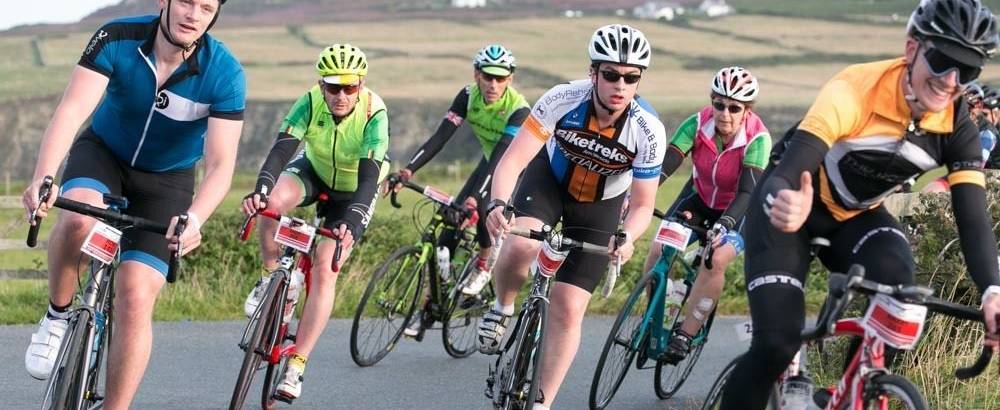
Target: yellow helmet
342 64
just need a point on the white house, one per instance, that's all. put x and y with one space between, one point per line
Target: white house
715 8
468 3
658 10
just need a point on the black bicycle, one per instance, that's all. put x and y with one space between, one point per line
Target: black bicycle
74 382
389 303
513 383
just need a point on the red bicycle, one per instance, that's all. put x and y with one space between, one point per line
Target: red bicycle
269 338
895 317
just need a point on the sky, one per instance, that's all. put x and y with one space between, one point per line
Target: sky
50 11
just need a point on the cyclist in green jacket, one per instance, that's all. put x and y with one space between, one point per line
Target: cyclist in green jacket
346 132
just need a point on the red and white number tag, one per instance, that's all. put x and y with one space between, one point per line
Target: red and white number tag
438 195
295 234
896 323
549 260
102 242
673 235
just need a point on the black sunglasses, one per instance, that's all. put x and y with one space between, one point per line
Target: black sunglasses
349 89
940 64
732 108
614 76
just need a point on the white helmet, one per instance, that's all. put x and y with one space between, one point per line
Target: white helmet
620 44
736 83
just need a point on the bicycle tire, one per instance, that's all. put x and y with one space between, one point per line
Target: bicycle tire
261 322
386 286
461 322
714 398
666 386
601 397
519 381
897 386
272 379
64 390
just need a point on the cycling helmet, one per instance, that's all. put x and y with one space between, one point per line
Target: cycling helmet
620 44
342 64
991 97
965 24
495 59
973 94
736 83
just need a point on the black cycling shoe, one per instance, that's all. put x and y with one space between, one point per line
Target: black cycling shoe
677 349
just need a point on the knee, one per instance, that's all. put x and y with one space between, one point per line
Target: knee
774 349
566 316
134 304
74 224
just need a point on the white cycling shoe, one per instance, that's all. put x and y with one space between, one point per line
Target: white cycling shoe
44 347
255 296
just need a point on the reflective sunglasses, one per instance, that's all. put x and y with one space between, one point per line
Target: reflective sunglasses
732 108
348 89
614 76
940 65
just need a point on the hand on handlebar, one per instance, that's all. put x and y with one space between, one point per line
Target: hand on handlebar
496 223
716 233
30 200
254 202
190 237
403 175
623 250
991 312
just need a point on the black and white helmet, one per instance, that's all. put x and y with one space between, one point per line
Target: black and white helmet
495 56
620 44
965 22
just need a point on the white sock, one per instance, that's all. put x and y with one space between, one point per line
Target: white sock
505 309
539 406
53 314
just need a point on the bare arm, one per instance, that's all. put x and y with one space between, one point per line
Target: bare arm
221 141
515 159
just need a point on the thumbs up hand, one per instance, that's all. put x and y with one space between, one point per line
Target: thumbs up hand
790 207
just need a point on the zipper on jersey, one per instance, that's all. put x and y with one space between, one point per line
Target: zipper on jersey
152 109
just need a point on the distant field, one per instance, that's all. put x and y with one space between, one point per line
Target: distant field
430 59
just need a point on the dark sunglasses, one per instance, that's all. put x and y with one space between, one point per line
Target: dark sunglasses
614 76
732 108
940 64
348 89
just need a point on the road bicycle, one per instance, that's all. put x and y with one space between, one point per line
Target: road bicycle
644 326
269 337
389 303
894 317
75 379
513 378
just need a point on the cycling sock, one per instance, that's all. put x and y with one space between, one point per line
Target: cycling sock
481 263
505 309
58 312
539 406
298 361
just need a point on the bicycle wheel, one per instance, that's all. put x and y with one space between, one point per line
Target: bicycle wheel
714 398
258 332
668 378
621 345
65 387
519 377
893 391
387 305
462 320
272 379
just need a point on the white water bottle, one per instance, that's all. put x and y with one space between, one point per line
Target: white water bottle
797 393
444 262
676 290
294 285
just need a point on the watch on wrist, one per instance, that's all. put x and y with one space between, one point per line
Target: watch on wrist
495 202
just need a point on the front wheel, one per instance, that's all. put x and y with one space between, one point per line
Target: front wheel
714 398
891 391
622 344
462 320
519 366
387 305
255 343
64 390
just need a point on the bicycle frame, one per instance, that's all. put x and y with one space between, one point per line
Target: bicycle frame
659 335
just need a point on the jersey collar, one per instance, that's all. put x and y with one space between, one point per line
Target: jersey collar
890 103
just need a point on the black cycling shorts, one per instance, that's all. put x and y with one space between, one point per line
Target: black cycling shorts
157 196
312 186
541 196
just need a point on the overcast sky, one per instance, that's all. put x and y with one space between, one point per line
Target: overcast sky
49 11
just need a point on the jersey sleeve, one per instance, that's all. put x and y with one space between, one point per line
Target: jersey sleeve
230 97
683 137
297 120
963 153
758 152
514 122
835 112
100 52
376 140
652 148
541 122
459 108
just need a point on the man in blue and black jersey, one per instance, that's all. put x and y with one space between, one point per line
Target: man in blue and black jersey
163 94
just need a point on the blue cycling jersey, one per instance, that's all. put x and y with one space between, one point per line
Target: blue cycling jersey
160 129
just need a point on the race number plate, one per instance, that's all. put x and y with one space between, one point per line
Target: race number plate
438 195
673 235
298 236
898 324
744 331
102 242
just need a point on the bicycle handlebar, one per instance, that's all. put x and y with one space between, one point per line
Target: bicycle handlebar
35 220
428 191
251 220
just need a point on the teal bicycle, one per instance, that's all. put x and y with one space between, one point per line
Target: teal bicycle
642 331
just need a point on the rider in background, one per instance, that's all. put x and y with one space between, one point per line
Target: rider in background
985 118
495 111
872 128
345 127
600 139
163 94
729 148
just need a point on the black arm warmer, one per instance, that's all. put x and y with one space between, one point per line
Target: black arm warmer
433 145
975 232
671 161
748 180
359 212
283 149
805 152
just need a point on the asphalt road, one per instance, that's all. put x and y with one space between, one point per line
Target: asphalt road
194 366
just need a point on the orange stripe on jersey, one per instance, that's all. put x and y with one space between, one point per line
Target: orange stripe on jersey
535 128
593 125
967 176
583 184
